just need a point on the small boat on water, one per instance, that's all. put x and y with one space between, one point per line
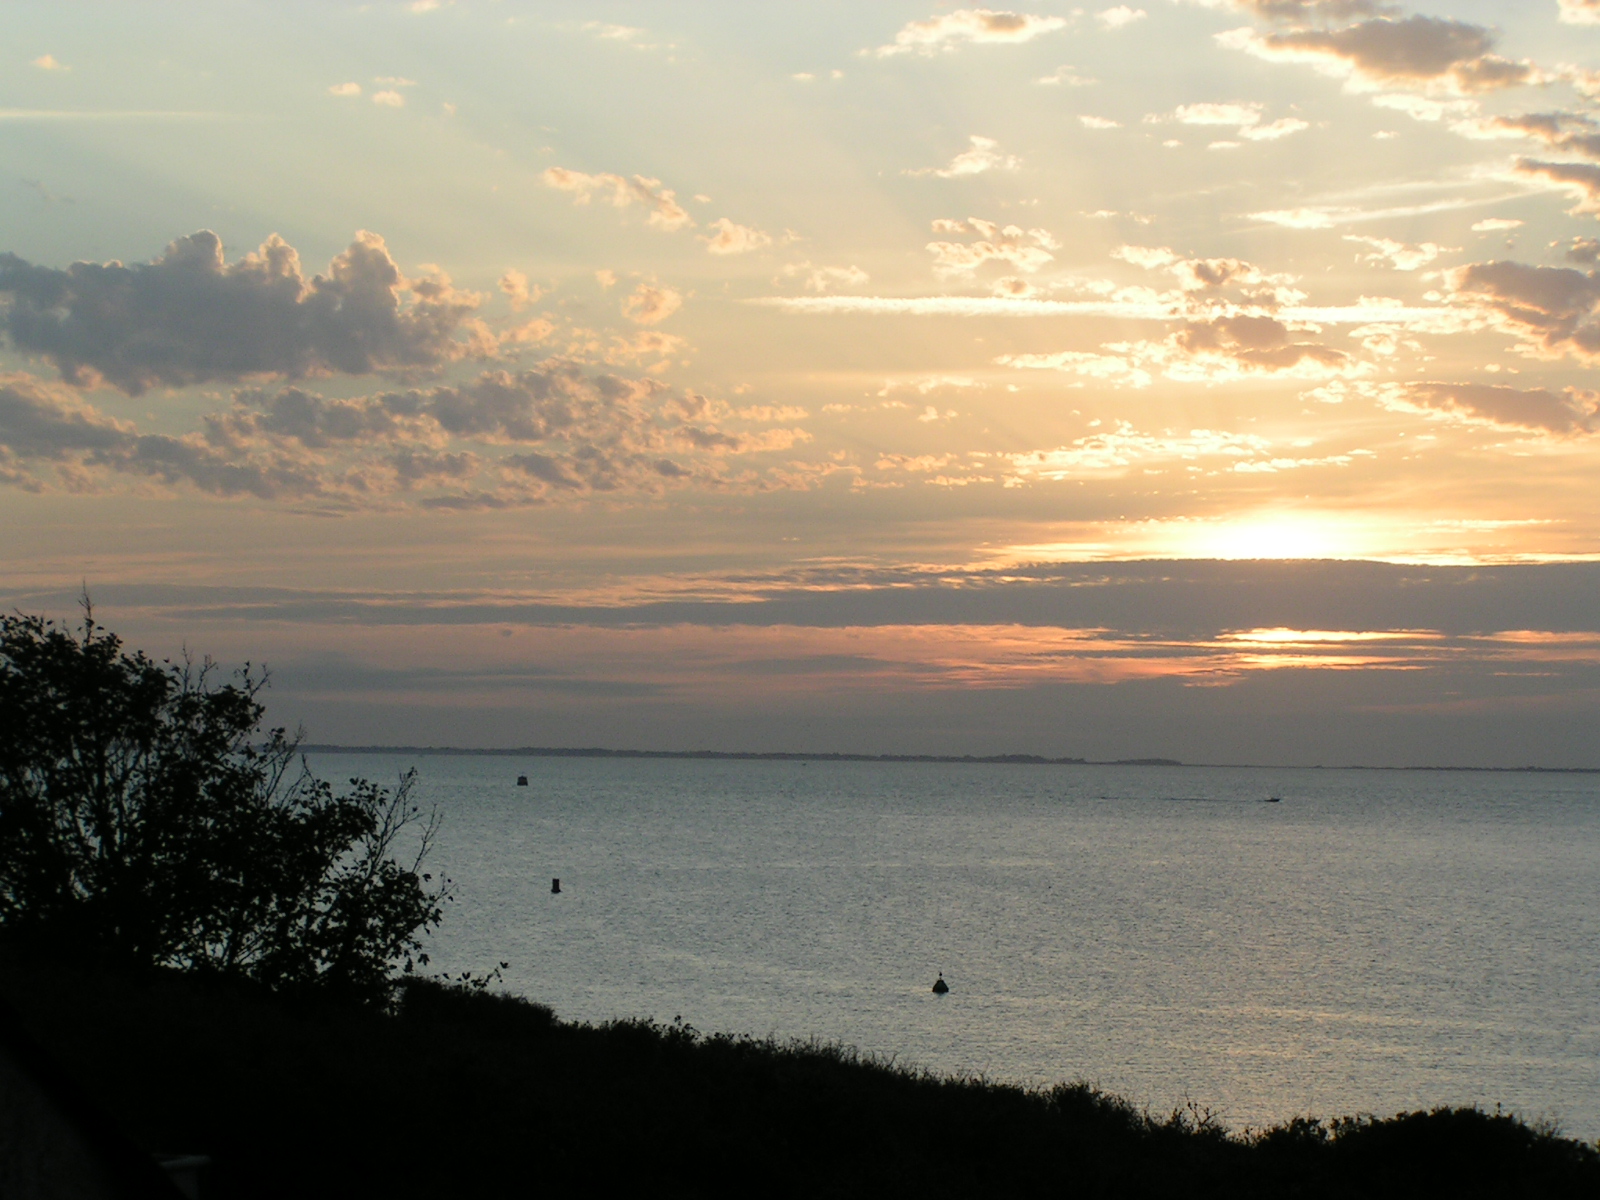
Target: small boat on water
1273 800
940 987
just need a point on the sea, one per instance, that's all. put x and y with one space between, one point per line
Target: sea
1372 942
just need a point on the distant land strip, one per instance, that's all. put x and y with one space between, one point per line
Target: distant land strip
824 756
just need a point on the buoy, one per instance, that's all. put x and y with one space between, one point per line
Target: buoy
555 887
522 781
940 987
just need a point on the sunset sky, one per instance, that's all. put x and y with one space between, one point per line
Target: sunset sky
821 376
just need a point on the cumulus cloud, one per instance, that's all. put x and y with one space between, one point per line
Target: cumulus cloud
389 99
1246 118
1202 351
1399 255
49 62
1580 12
1433 53
1120 16
1579 180
345 89
820 279
1496 224
1301 12
969 26
1024 249
191 317
1572 410
1250 345
983 155
502 439
517 289
1211 274
1554 309
662 204
728 238
651 304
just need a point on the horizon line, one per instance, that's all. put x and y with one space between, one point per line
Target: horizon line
840 756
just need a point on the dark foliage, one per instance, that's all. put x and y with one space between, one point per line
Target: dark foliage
143 825
466 1091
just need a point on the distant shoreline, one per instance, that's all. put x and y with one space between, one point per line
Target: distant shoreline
823 756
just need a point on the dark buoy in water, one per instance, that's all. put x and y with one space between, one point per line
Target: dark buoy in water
522 781
940 987
555 887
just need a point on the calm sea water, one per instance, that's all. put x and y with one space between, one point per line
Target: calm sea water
1378 941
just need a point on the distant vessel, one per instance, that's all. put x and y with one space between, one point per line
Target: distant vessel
1274 799
940 987
522 781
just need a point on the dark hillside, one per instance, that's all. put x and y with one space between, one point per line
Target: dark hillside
467 1092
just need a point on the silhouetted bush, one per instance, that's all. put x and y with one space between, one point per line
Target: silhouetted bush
464 1091
141 823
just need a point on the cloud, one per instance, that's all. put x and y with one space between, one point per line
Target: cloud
665 212
49 62
820 279
389 99
969 26
1110 368
734 239
515 285
1570 411
190 317
1399 255
1299 12
1554 308
1433 53
1120 16
1211 274
651 304
1246 118
1583 250
1229 347
1221 349
1026 250
1579 180
1089 122
501 440
345 89
1118 450
1580 12
1065 76
983 155
1496 224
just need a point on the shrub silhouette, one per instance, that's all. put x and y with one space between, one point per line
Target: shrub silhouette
144 823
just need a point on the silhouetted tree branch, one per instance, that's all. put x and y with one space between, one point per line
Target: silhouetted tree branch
143 819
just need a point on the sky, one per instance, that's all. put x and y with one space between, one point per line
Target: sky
1206 379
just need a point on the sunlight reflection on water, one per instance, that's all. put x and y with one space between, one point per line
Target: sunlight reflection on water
1377 941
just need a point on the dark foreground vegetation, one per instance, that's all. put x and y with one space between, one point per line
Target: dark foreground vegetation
224 953
462 1092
